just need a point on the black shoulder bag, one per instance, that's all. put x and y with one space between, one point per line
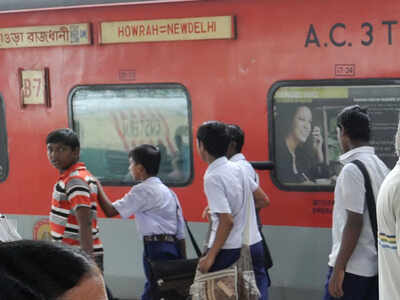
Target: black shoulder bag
267 254
369 198
171 279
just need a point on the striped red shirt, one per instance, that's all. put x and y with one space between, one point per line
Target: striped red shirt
75 187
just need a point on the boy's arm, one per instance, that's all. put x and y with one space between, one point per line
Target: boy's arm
105 203
223 231
351 233
84 218
261 199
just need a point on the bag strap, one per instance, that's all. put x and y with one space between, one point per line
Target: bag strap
369 198
194 243
247 198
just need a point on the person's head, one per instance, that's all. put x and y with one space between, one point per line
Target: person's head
40 270
181 137
144 161
353 127
236 140
63 148
300 126
212 140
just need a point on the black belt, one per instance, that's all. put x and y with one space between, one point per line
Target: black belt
159 238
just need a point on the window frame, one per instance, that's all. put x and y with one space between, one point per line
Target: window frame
99 87
4 138
272 123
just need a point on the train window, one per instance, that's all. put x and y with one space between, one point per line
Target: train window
112 119
303 140
3 143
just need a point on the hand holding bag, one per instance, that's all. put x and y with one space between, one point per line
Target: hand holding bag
171 279
235 282
8 231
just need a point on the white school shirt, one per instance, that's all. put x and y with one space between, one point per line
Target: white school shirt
240 159
350 195
224 184
388 215
155 208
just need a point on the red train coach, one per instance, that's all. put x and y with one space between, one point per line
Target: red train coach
121 74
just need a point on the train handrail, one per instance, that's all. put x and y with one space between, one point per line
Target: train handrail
263 165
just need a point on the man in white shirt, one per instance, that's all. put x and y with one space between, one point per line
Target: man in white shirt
225 185
388 215
353 261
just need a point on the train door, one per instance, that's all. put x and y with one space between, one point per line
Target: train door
3 142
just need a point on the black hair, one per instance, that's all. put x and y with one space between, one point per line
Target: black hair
215 138
356 123
41 270
65 136
236 135
148 156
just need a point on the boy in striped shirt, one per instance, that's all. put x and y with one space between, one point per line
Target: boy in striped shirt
73 216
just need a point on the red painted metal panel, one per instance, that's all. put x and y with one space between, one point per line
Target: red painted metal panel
227 80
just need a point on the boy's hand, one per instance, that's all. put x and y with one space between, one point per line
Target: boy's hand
336 283
205 263
206 213
97 181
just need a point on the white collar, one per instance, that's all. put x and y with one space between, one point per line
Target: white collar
152 179
351 154
237 157
217 163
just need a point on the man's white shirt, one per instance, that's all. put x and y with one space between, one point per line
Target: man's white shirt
388 215
224 188
350 196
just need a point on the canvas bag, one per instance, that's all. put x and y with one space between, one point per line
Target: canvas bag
235 282
8 230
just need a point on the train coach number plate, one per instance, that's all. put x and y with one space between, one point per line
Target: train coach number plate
345 70
33 87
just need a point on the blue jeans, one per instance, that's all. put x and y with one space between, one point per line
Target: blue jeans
355 287
226 257
157 251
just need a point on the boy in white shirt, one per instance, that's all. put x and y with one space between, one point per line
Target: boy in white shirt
234 154
353 261
388 218
158 213
224 184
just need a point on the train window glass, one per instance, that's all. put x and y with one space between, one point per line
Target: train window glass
304 144
3 143
111 120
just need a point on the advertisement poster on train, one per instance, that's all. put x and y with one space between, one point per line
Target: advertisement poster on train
306 148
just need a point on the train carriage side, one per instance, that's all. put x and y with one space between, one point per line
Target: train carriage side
168 67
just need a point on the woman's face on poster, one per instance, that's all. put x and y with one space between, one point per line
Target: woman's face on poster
301 126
